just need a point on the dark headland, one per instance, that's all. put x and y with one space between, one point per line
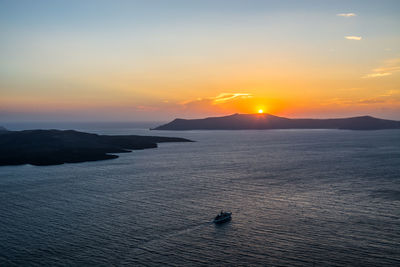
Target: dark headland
51 147
268 121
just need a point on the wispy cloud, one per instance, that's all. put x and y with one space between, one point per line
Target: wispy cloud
356 38
372 100
219 99
391 93
392 68
375 75
347 15
391 96
224 97
389 67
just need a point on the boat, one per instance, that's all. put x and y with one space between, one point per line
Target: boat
223 217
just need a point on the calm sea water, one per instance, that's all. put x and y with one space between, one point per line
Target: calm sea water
298 197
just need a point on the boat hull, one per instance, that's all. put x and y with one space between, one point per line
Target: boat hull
223 219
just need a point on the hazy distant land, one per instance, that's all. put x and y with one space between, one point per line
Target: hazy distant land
51 147
268 121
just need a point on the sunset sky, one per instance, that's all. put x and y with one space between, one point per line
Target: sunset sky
157 60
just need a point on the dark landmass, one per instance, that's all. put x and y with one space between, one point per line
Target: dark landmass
2 129
51 147
267 121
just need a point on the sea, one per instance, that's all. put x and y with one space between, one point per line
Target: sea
297 197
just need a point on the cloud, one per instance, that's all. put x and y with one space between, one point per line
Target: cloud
357 38
391 96
220 104
224 97
389 67
375 75
219 99
392 65
388 97
371 101
391 93
347 15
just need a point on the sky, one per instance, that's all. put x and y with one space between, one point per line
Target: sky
157 60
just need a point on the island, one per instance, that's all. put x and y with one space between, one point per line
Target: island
267 121
52 147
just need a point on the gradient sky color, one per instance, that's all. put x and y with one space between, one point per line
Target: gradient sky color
157 60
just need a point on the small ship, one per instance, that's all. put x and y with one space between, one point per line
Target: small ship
223 217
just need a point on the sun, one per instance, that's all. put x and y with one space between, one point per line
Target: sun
260 111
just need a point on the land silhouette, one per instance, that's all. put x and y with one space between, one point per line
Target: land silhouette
52 147
268 121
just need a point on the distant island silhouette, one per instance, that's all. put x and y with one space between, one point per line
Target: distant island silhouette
267 121
51 147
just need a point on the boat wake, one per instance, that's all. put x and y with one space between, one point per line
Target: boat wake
173 233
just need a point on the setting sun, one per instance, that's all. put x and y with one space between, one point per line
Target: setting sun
260 111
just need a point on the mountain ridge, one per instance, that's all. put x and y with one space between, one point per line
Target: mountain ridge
266 121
